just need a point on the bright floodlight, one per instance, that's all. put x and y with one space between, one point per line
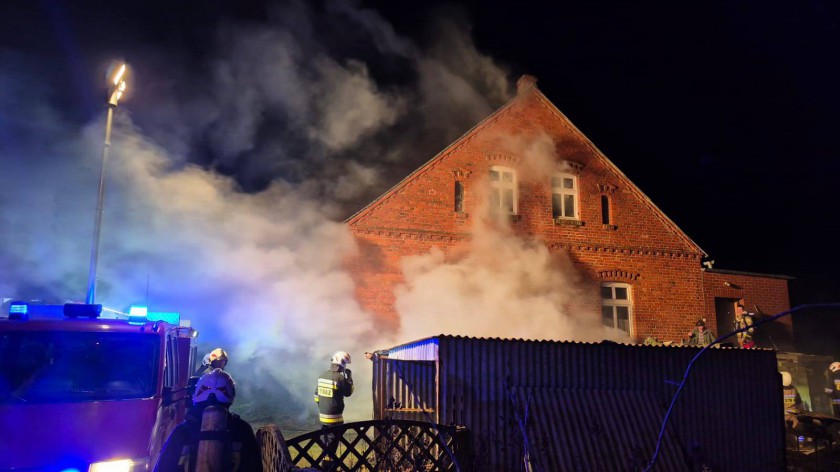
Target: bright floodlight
119 85
119 75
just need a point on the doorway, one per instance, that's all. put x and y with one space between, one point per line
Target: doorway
725 314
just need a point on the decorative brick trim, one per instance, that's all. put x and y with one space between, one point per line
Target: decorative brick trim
461 174
499 158
413 234
616 274
568 222
623 250
575 167
607 188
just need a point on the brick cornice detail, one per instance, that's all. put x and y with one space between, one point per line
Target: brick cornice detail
618 274
607 188
499 158
461 174
575 167
623 250
413 234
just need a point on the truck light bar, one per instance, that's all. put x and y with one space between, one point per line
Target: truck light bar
80 310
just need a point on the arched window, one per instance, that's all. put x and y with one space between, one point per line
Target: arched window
459 197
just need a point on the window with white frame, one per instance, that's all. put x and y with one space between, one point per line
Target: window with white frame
503 195
564 196
616 305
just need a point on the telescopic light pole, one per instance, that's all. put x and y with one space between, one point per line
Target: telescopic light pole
116 86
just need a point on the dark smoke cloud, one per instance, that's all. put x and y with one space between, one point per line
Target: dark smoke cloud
229 175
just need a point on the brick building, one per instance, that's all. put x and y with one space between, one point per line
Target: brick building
632 257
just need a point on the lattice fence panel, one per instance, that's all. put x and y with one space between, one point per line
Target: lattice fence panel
386 445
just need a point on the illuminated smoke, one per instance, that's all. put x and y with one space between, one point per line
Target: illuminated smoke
227 184
500 284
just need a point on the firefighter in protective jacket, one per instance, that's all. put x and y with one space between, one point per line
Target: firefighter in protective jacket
333 385
832 388
182 448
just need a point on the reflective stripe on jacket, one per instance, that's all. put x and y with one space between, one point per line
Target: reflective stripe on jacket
332 386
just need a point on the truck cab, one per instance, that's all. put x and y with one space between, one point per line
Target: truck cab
84 388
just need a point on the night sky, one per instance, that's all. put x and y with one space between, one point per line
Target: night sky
724 113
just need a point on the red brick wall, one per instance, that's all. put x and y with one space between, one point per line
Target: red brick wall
641 247
770 294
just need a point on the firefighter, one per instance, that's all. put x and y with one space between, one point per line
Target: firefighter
699 336
215 359
742 320
832 387
792 402
241 452
333 385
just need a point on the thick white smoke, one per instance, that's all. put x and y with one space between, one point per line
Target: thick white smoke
502 284
225 195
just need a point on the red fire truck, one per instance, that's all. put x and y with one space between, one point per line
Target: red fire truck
88 389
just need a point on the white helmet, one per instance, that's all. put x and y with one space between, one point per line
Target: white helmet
834 367
217 354
217 384
341 358
786 379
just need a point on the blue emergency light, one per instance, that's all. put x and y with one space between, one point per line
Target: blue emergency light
171 317
18 311
137 314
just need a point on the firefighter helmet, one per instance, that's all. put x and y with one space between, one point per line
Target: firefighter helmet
217 386
341 358
786 379
834 367
217 354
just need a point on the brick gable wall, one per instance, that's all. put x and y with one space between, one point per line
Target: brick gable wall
640 246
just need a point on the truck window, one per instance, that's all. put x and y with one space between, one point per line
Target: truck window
69 366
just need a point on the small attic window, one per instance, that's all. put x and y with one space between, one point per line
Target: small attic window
605 209
459 197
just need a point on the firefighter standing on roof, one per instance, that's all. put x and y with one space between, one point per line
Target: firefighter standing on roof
333 385
832 388
743 320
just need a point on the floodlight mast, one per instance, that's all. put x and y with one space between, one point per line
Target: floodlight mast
116 86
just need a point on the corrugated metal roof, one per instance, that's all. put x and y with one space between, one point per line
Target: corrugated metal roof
422 350
596 430
730 395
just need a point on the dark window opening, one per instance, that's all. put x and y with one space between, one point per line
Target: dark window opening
70 366
459 197
605 209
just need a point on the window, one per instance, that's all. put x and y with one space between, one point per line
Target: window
564 196
616 306
605 209
503 190
71 366
459 197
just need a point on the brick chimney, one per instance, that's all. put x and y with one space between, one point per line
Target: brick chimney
525 83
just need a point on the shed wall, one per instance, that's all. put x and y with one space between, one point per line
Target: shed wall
730 395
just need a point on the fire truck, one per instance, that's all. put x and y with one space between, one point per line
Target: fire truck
87 389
